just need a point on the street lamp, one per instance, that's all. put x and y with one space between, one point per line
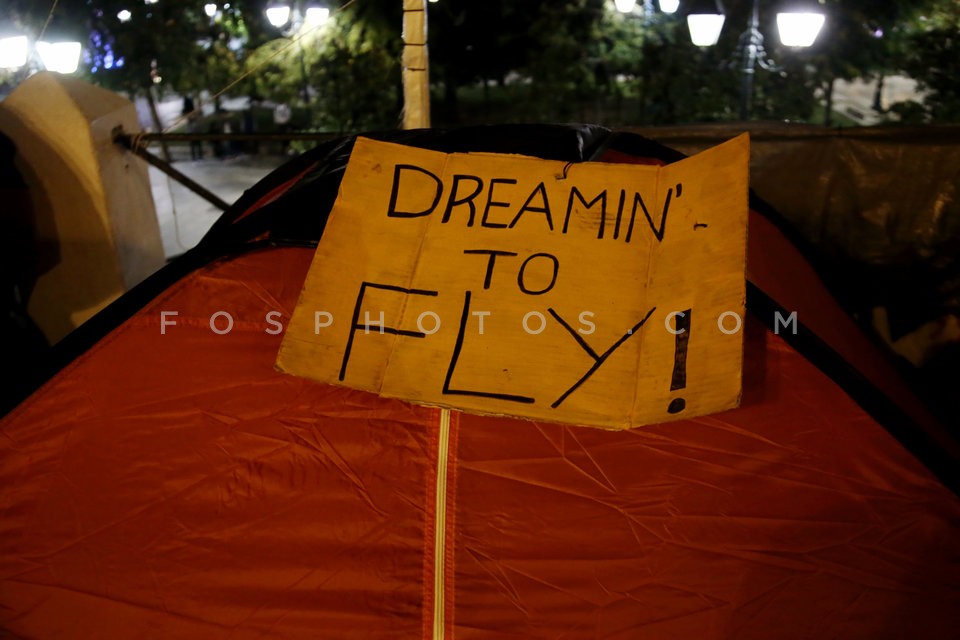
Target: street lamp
666 6
798 28
315 16
278 15
14 52
290 20
61 57
705 21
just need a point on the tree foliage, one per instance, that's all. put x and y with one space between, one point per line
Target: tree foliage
931 55
520 60
171 43
356 77
346 72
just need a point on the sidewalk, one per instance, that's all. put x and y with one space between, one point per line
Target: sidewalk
854 99
185 217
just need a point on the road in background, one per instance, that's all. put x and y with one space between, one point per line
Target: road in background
855 99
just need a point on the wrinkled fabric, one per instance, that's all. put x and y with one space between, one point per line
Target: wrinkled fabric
878 211
170 483
178 486
791 517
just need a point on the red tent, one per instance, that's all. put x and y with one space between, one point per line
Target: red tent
168 482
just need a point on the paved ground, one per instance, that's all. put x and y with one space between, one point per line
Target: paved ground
855 99
184 216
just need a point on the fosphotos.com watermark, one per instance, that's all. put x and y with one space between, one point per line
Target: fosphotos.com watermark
429 322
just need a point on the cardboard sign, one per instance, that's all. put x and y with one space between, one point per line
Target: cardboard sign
609 295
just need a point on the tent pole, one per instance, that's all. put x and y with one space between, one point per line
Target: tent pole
126 141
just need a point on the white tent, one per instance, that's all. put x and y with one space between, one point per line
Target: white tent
92 205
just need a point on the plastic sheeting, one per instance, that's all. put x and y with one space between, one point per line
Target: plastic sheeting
879 205
878 211
91 211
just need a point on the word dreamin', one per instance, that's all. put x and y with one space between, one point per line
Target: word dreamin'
222 322
502 202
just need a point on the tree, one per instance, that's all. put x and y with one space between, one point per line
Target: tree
222 45
478 44
346 72
567 59
671 79
860 41
356 73
29 18
932 57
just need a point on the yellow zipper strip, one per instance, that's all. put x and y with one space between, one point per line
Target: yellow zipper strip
440 525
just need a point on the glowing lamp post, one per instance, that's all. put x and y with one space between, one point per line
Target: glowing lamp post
797 28
278 15
316 16
705 28
61 57
14 52
290 20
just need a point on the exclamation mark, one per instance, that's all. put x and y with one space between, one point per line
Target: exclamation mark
679 381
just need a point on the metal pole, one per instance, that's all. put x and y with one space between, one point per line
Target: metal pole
128 142
752 42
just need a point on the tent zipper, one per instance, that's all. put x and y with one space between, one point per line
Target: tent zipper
440 525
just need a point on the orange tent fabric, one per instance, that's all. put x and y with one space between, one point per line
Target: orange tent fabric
169 483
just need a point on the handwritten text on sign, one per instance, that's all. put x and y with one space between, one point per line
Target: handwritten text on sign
600 294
